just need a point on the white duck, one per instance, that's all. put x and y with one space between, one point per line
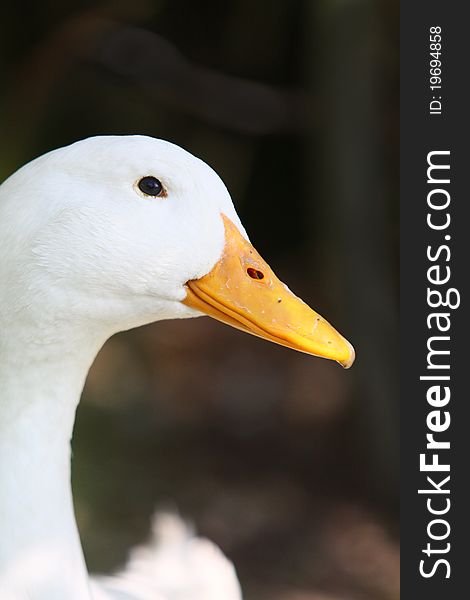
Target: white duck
101 236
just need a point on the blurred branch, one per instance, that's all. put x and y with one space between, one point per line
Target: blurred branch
148 61
234 103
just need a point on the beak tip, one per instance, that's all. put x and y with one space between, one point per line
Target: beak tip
348 362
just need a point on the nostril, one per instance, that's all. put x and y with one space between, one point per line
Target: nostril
254 273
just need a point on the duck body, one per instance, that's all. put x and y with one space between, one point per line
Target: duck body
86 253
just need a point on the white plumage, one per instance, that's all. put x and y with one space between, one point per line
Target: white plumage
175 564
85 254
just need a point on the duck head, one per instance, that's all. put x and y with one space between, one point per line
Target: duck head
126 230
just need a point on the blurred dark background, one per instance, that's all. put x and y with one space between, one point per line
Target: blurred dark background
288 462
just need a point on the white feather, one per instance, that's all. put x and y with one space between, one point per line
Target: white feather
83 256
175 565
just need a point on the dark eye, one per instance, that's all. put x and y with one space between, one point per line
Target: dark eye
151 186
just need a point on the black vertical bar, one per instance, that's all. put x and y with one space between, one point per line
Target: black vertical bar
421 133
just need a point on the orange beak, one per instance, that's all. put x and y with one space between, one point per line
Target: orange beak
242 291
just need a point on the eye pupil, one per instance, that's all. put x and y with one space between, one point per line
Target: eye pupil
150 186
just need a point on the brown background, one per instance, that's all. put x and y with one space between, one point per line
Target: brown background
288 462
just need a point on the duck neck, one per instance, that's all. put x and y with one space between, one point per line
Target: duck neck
40 550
